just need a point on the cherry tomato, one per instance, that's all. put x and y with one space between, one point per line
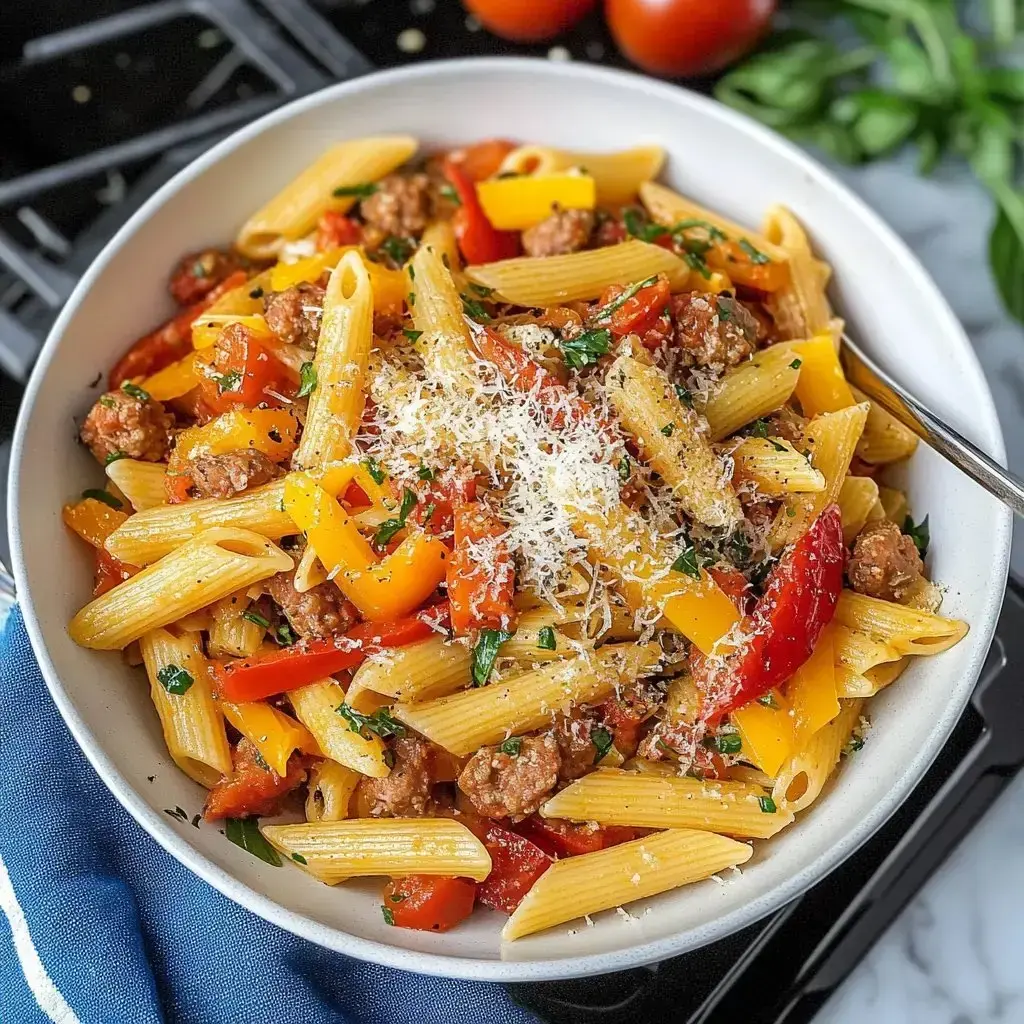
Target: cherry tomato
686 37
529 21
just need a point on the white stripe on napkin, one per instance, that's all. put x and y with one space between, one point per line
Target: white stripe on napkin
50 1001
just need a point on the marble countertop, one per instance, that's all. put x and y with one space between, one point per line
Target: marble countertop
955 955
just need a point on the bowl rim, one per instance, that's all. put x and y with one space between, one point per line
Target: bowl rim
439 964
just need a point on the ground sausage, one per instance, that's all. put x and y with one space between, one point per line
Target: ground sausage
406 791
322 611
253 787
713 331
199 273
885 562
400 205
222 476
501 785
125 424
787 425
575 747
296 313
563 231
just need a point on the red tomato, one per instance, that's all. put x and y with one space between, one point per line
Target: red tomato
479 241
686 37
110 571
334 229
639 313
529 21
428 903
243 372
516 864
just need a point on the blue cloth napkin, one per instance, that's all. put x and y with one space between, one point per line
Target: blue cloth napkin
103 927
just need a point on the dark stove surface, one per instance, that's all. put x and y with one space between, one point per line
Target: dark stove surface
100 103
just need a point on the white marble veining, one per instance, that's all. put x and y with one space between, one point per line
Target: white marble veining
956 954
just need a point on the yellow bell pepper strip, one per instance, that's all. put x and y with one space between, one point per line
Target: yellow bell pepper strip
381 590
767 732
93 520
175 380
270 431
512 204
207 328
822 386
273 733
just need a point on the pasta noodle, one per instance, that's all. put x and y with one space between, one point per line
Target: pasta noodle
142 483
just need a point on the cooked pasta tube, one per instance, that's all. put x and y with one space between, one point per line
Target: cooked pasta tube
775 467
342 355
555 280
232 634
466 721
155 532
329 791
894 504
583 885
335 850
858 496
192 723
142 483
216 563
294 211
316 707
905 630
672 442
885 439
801 308
421 671
803 777
611 796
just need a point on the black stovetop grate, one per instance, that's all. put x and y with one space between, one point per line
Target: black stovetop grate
124 94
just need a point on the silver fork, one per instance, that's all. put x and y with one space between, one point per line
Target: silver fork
865 374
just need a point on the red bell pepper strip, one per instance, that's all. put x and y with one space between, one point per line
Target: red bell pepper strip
744 265
482 159
516 864
171 341
455 486
640 312
567 839
428 903
525 375
479 241
798 602
335 229
109 572
309 660
480 593
244 373
251 788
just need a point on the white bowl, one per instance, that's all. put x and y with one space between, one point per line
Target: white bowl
716 156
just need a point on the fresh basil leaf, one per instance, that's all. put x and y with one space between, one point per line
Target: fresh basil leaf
174 679
307 380
1005 82
511 746
546 638
879 121
245 832
100 495
603 742
993 153
390 527
373 468
381 722
485 654
1006 255
687 562
919 534
910 68
586 348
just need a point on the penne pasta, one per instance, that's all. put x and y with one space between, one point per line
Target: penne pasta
611 796
216 563
294 211
905 630
894 504
554 280
474 718
142 483
430 668
192 723
775 467
858 496
885 439
331 786
586 884
335 850
802 308
232 633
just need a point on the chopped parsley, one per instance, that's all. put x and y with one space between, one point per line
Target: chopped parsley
413 336
725 310
256 618
307 380
135 391
410 299
624 470
918 534
713 233
424 472
447 191
373 468
100 495
755 255
796 364
388 915
390 527
856 743
687 562
639 227
619 301
285 636
474 309
245 832
412 269
482 290
397 249
602 740
767 804
298 858
230 381
546 638
668 429
359 191
174 679
769 701
586 348
511 746
380 722
485 654
106 401
759 428
775 444
684 396
725 743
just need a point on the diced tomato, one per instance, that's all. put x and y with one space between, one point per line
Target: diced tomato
482 159
244 373
747 267
171 341
568 839
516 864
641 312
335 229
262 676
110 571
481 594
428 903
798 601
479 241
251 788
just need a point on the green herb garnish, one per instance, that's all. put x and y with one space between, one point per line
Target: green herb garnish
725 743
624 470
390 527
620 300
373 468
639 227
106 401
918 534
546 638
298 858
380 722
245 832
755 255
174 679
796 364
586 348
668 429
485 654
135 391
511 746
307 380
684 396
767 804
388 915
256 618
602 740
359 191
759 428
413 336
424 472
769 701
230 381
687 562
256 293
474 309
398 249
447 191
285 635
100 495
